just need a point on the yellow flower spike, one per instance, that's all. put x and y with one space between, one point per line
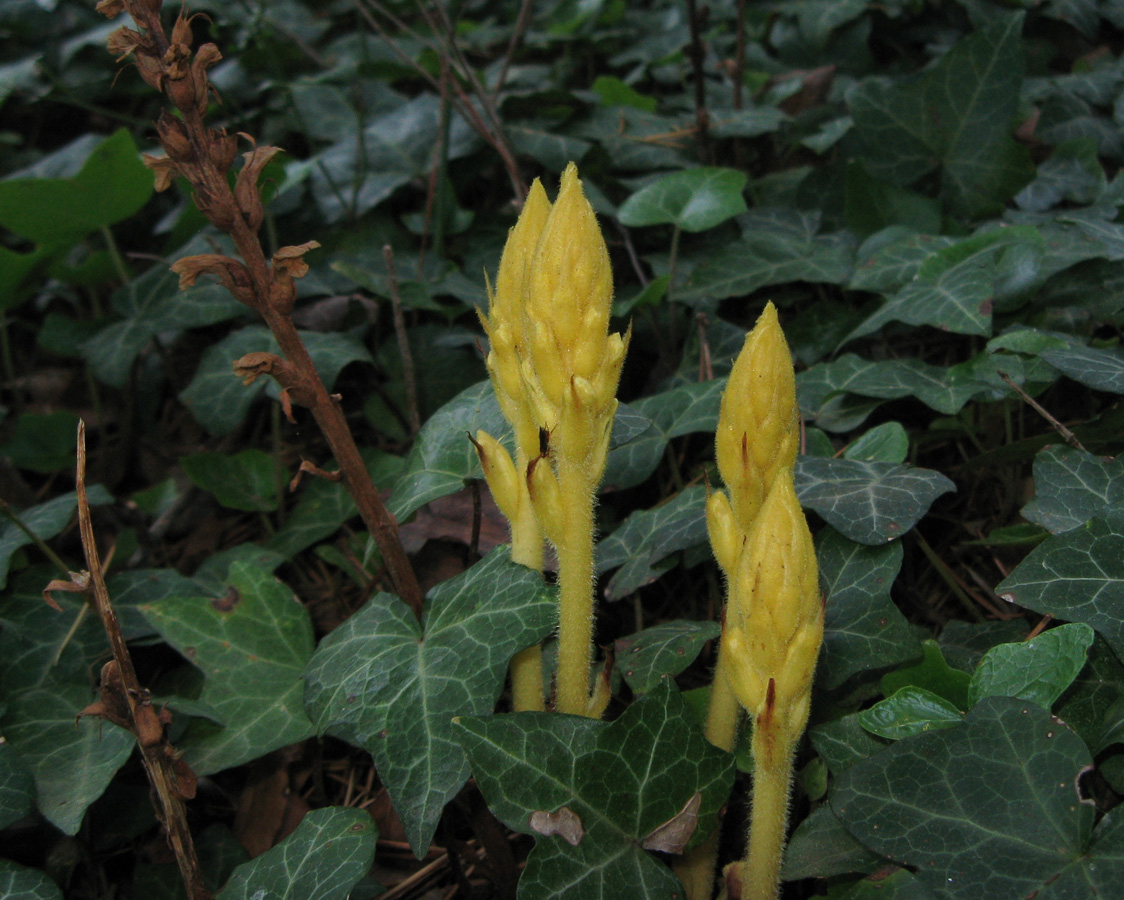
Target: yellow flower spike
774 620
774 628
555 371
758 424
774 597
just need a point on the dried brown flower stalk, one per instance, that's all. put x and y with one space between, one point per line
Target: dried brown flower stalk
203 155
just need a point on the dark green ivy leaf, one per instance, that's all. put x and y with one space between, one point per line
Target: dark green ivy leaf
692 200
647 656
868 502
863 629
1077 576
620 780
1072 486
324 858
1039 669
252 645
957 116
392 685
989 808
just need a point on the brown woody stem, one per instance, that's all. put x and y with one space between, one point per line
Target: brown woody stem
160 759
194 149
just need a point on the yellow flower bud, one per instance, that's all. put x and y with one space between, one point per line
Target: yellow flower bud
725 537
504 482
758 424
546 499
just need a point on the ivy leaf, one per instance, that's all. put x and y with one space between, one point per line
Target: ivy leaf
822 388
954 288
1072 486
46 521
891 258
443 457
868 502
932 674
622 779
956 116
324 506
887 442
219 400
1102 370
648 536
1077 576
1038 670
683 410
664 650
843 742
17 789
72 764
821 847
863 629
46 657
247 480
252 645
326 856
112 185
768 256
693 200
388 684
909 711
930 802
22 883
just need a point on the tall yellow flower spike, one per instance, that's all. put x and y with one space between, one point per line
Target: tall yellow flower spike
773 632
770 636
555 369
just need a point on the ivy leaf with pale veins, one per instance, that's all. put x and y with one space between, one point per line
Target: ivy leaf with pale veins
682 410
46 657
1038 669
868 502
443 457
1102 370
17 789
863 629
693 200
624 780
987 808
957 116
649 536
324 858
1077 576
23 883
646 657
768 256
252 645
45 521
388 684
1072 486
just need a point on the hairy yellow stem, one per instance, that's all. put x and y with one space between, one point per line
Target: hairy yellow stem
772 780
575 581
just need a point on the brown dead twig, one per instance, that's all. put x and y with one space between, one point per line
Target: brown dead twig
126 704
203 155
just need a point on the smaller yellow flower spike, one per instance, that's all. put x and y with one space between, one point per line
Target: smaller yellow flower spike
774 622
759 423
